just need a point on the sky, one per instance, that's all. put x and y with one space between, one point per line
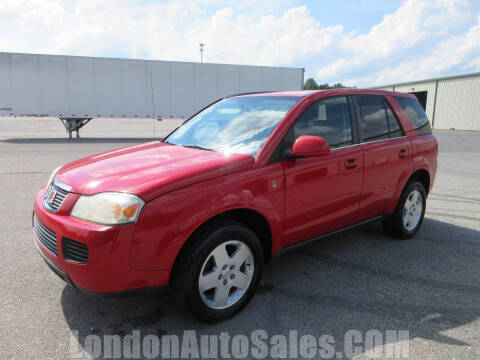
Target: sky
356 42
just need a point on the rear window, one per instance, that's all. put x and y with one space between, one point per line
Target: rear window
416 115
373 118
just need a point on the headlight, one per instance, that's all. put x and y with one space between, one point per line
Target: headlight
52 175
108 208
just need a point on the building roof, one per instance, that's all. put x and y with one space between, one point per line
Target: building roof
430 80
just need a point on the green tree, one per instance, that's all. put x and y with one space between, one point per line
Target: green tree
311 84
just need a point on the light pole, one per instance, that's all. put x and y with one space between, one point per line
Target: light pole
201 52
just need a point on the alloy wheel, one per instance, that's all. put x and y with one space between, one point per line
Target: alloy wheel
412 210
226 274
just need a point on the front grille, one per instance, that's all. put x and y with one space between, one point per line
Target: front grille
54 197
74 250
46 236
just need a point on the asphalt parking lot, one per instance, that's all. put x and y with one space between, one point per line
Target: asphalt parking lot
360 279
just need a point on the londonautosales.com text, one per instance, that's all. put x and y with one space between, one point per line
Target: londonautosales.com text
259 344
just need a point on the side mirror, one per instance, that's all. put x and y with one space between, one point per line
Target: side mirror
308 146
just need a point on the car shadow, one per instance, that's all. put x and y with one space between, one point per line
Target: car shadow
360 279
76 140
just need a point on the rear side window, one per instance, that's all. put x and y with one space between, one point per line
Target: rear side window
416 114
393 126
329 118
373 117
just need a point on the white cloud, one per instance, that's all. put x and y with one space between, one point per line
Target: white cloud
421 38
415 42
398 30
269 40
443 56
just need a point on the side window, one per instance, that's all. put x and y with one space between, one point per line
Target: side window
393 125
416 114
328 118
373 117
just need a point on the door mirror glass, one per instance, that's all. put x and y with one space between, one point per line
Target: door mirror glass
309 146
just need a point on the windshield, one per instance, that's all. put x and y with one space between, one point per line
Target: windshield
234 125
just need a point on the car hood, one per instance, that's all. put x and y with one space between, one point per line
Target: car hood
149 170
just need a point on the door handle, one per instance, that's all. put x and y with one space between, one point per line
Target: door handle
351 163
403 153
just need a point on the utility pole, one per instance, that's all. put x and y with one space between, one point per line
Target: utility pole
201 52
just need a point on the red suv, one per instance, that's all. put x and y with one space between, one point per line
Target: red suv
241 180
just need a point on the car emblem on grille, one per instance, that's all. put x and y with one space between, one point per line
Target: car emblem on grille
51 195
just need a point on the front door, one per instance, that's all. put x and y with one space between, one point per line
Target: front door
322 193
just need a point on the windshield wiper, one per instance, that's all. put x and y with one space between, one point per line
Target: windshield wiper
189 146
197 147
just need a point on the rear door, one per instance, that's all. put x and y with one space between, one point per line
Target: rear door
322 193
386 153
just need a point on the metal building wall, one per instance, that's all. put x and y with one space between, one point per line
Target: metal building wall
458 104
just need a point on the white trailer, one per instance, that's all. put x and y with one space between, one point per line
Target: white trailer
77 89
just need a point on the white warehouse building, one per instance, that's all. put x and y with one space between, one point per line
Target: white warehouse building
451 102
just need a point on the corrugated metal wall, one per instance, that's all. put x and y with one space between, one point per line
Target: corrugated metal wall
457 105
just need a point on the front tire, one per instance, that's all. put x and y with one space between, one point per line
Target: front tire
408 216
219 271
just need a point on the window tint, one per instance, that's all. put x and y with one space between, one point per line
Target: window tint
373 118
329 118
416 114
394 127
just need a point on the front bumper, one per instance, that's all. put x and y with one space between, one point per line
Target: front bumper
108 267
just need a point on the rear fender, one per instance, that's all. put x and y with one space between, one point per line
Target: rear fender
402 182
424 157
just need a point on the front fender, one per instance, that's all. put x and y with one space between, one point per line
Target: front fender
168 221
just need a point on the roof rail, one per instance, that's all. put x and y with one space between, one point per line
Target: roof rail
249 93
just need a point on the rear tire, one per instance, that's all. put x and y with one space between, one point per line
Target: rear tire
219 271
408 216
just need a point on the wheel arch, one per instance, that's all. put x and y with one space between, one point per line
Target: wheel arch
253 219
420 174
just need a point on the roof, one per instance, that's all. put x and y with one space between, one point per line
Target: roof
293 93
430 80
328 92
